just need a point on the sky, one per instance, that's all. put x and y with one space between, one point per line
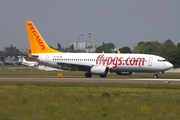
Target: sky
121 22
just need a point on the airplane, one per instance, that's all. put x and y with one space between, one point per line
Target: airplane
23 61
9 61
100 64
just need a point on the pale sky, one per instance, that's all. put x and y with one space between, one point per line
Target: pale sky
122 22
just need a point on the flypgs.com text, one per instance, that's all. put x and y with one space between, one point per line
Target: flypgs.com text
116 61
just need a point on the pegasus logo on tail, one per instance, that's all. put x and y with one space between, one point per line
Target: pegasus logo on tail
36 41
36 34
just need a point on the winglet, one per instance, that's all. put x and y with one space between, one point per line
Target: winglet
118 51
36 41
29 54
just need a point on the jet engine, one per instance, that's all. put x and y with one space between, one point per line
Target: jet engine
99 70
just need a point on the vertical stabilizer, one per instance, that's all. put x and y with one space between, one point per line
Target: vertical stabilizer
21 59
37 43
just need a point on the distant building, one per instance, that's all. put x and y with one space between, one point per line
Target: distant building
88 46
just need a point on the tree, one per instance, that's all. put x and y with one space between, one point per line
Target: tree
173 56
125 50
2 53
102 48
141 43
178 45
168 47
168 44
11 51
110 45
153 47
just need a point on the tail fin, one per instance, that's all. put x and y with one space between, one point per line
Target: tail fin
29 54
37 43
21 59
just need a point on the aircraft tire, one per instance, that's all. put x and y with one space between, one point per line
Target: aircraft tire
102 76
155 76
88 75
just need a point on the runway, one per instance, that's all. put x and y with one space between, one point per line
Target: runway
95 80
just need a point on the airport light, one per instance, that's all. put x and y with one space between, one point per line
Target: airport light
82 41
89 40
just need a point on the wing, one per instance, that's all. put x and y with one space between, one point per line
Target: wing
74 67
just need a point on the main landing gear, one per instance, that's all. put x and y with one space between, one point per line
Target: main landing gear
88 75
102 76
155 75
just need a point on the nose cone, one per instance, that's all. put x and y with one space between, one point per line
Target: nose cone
169 65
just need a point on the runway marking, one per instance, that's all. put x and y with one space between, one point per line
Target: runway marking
96 80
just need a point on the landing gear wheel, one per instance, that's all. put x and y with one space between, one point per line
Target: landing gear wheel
88 75
155 76
102 76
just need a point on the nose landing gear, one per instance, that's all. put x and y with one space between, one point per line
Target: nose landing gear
155 75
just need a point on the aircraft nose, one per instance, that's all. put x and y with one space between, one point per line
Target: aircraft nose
169 65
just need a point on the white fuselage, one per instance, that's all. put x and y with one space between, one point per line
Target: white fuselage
29 63
116 62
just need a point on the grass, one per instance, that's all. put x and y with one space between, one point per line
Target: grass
11 71
93 101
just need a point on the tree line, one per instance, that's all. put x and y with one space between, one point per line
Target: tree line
167 49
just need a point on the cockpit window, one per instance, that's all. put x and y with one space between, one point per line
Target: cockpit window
161 60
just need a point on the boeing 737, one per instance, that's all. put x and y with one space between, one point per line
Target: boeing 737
23 61
93 63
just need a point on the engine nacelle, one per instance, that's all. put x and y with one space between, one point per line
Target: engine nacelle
124 73
99 70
